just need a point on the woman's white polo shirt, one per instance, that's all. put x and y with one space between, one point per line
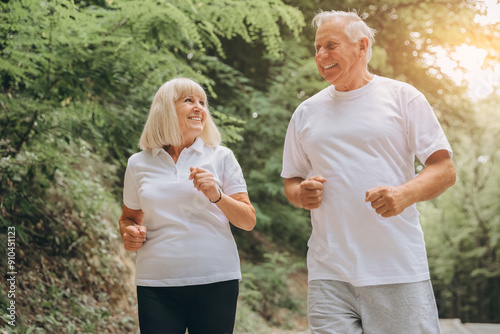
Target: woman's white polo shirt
189 240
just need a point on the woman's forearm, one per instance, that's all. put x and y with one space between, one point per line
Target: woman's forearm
238 210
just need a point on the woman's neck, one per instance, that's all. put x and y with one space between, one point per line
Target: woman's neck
175 151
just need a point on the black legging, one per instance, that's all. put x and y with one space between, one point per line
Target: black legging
202 309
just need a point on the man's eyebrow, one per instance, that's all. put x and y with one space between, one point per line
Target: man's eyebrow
327 43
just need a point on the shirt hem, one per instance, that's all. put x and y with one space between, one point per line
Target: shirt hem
235 190
131 205
433 150
188 281
371 281
289 174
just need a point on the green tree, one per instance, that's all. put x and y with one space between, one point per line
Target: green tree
76 80
463 225
409 34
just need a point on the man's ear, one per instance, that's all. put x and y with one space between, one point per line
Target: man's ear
363 45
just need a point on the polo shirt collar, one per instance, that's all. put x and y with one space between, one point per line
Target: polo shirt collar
197 146
155 151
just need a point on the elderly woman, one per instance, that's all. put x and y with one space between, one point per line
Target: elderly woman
180 193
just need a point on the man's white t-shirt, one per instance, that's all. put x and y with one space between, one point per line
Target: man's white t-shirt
189 240
359 140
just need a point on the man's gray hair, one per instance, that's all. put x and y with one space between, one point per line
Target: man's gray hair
354 30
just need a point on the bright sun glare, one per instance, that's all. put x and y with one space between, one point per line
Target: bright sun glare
465 64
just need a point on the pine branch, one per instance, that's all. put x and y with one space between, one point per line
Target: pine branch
117 26
24 138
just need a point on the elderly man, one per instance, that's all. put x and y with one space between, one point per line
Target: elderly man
349 158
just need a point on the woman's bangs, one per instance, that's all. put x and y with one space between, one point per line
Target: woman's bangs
189 87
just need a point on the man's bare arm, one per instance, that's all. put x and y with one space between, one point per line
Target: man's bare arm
306 194
437 176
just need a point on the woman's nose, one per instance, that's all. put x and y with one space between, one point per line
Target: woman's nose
197 107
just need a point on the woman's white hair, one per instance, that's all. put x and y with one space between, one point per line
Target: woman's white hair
355 30
162 126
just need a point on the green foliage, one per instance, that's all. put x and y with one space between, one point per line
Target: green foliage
267 113
76 81
463 225
231 18
70 90
265 287
248 321
52 304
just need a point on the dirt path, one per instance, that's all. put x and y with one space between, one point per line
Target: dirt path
284 331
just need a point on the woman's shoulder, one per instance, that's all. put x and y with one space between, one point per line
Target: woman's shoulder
139 156
221 153
219 150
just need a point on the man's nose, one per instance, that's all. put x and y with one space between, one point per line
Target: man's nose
321 53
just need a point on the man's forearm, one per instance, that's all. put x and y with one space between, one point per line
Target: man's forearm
124 223
292 191
436 177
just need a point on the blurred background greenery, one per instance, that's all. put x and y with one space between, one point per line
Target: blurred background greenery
76 81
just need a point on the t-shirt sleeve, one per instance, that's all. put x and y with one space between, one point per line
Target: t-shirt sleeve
233 181
425 134
130 191
295 161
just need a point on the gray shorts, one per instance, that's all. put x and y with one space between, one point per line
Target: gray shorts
341 308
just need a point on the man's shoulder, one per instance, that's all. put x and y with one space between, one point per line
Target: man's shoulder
320 97
396 85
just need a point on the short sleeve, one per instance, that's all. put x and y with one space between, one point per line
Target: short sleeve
295 161
425 134
130 191
233 180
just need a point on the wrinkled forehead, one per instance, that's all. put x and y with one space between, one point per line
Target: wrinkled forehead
187 87
333 28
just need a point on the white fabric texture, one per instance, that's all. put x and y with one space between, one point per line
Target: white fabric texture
358 140
189 240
